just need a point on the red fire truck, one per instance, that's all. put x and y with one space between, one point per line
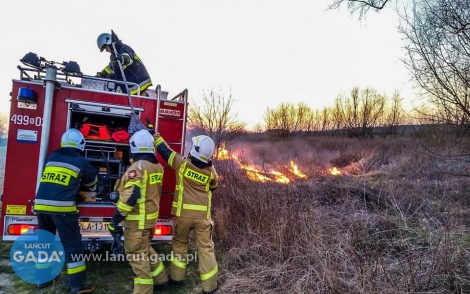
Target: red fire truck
50 97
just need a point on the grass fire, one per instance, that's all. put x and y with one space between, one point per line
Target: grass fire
334 171
339 215
257 174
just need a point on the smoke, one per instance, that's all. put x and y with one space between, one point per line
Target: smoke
307 154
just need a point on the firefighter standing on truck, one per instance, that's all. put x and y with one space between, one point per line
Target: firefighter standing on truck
196 178
140 190
55 204
133 67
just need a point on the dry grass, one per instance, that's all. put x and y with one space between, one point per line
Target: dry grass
396 221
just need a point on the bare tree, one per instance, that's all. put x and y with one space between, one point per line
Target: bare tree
359 113
215 118
258 128
280 121
326 119
289 119
303 114
362 6
394 115
437 36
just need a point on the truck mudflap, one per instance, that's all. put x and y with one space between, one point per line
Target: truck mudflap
93 229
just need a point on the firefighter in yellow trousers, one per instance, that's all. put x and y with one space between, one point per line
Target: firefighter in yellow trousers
140 190
196 178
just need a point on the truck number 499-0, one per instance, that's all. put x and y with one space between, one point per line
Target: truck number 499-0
26 120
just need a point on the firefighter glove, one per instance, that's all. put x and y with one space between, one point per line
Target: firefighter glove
115 230
102 74
117 218
140 127
150 127
119 58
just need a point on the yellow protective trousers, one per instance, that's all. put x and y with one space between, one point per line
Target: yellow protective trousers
147 266
205 248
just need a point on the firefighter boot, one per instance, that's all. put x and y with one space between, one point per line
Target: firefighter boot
176 284
160 287
160 278
45 285
85 288
180 249
137 248
207 262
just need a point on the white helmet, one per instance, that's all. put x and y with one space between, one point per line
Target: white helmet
103 39
142 142
73 138
203 147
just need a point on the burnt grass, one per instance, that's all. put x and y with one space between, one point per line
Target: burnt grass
395 221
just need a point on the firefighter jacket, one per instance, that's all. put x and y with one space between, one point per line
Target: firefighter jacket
134 69
58 189
140 189
195 182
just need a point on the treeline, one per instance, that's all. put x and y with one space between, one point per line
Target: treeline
363 113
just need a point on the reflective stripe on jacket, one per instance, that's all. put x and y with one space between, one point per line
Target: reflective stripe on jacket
65 170
134 69
141 213
194 185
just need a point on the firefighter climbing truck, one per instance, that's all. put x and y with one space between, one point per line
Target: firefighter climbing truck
50 97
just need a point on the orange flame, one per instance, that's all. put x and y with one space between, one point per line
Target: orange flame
257 177
295 170
334 171
255 173
223 153
279 177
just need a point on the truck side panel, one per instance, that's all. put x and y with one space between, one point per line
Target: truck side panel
24 135
23 147
24 143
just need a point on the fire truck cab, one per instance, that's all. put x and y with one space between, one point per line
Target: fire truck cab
51 97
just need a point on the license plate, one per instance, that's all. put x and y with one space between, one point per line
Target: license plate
93 226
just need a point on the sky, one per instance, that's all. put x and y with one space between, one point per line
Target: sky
262 52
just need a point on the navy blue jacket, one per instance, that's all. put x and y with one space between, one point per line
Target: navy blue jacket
133 67
65 170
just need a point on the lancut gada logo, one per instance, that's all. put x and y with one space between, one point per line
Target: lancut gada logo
37 257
